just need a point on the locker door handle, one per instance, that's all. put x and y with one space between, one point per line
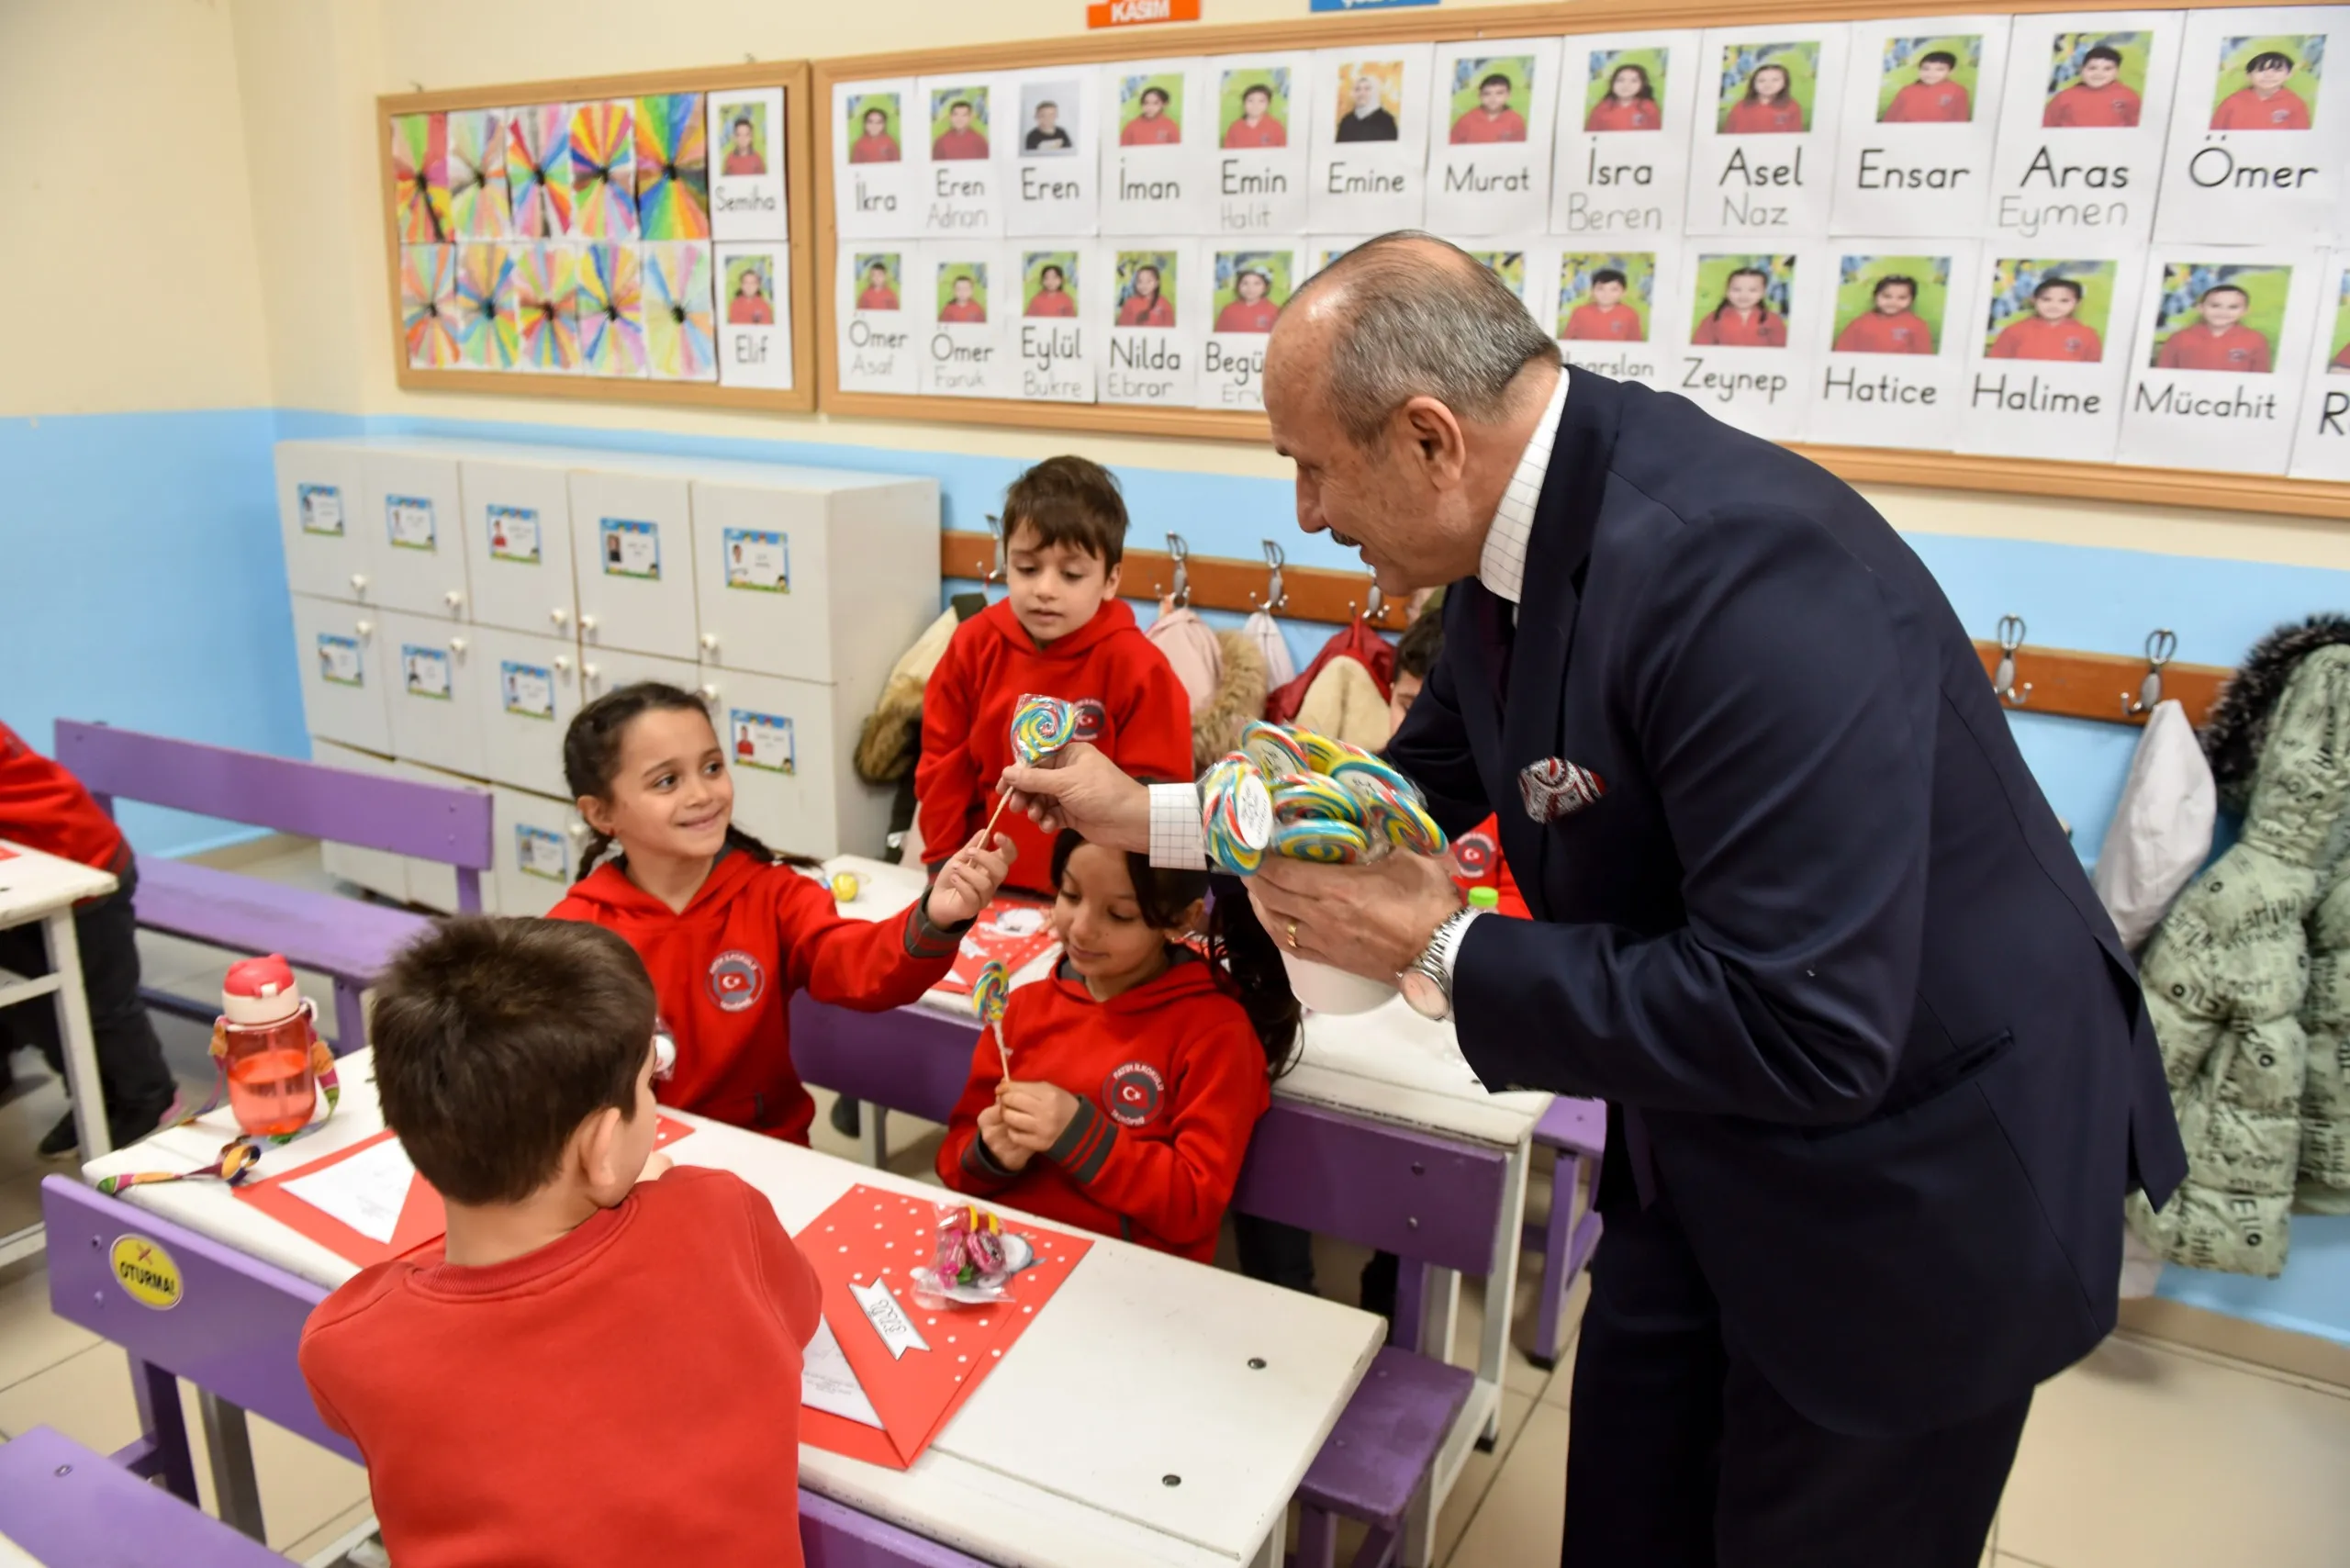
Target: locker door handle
709 642
365 628
590 674
453 599
559 615
456 644
359 582
562 663
586 623
709 695
577 830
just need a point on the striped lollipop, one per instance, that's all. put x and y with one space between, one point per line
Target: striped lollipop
1301 796
1236 814
1332 842
1274 750
1324 753
1041 726
1392 817
989 991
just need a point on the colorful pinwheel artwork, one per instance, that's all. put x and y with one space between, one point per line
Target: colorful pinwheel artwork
603 166
420 177
610 306
679 340
672 167
478 205
428 301
488 333
546 305
538 170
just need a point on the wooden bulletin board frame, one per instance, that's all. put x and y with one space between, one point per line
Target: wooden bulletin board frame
791 75
2108 482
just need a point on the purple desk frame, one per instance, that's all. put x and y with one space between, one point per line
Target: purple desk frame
70 1508
232 1334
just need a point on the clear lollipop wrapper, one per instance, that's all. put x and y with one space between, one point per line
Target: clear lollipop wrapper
973 1258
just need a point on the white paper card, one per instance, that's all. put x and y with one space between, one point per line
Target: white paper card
1491 108
1241 288
1263 103
2212 382
1626 104
1156 129
365 1191
2322 445
2046 352
970 293
2258 132
889 1319
747 165
881 337
755 314
877 187
1921 100
1056 344
1055 152
1607 306
1371 138
1147 319
1765 143
960 152
828 1383
1741 326
2080 143
1891 349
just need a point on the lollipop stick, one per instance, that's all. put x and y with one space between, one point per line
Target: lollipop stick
987 833
1002 1052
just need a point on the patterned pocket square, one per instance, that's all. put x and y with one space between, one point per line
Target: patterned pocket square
1555 788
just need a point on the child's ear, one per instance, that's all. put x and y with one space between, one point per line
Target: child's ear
1109 583
1193 921
595 1142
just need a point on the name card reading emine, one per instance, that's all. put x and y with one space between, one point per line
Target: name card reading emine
1369 170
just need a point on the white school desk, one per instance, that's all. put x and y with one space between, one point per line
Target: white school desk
1139 1370
37 886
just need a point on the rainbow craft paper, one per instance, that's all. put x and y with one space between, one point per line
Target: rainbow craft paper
546 306
678 341
428 300
538 170
612 322
420 177
672 167
476 164
488 334
603 180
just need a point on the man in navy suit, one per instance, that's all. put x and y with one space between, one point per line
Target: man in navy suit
1877 1068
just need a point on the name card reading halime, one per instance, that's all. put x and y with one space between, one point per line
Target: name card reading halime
2207 389
755 314
1056 152
2080 145
1240 289
960 153
2258 136
1606 306
1263 106
1627 105
2321 443
1765 146
1054 345
967 290
877 189
2047 345
1158 127
1920 99
746 164
1154 347
1741 325
1369 169
1492 107
1892 346
881 340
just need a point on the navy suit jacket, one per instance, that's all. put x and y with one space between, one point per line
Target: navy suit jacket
1821 939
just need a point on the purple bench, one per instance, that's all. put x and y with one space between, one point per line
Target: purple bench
347 940
1576 1130
73 1508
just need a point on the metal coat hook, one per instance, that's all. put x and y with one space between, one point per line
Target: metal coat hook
1276 594
2161 643
1179 552
2003 679
1374 602
995 572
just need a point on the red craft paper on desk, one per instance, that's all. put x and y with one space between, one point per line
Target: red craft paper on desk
872 1234
1012 931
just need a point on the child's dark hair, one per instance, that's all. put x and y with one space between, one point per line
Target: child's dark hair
1642 71
1248 967
1938 57
1068 500
591 757
2236 289
1763 304
1610 275
1423 640
1497 79
496 1039
1256 90
2103 52
1787 81
2268 59
2053 281
1895 280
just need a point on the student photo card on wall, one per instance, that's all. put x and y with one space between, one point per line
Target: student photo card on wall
1056 344
1264 109
755 314
1920 104
1241 287
2322 441
2212 382
1369 169
1604 306
877 188
1626 105
2259 137
2081 127
747 165
1055 174
1153 355
1893 343
1742 331
2047 351
964 148
1492 103
1156 133
971 291
881 333
1769 102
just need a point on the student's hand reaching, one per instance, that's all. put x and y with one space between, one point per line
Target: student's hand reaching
1036 1114
969 880
998 1138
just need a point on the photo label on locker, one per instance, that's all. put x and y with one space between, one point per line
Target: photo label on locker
632 549
322 509
542 854
408 521
762 741
758 561
339 660
514 536
426 672
529 689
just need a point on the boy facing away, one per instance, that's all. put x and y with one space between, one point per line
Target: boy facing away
600 1366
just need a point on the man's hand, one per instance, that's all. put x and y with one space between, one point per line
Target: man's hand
1078 788
1373 920
968 880
1009 1153
1036 1114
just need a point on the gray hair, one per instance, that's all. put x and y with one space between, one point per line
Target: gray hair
1415 316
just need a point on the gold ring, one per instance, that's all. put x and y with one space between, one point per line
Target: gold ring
1293 936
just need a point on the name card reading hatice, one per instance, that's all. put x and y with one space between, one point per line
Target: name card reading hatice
2259 129
883 328
969 291
960 152
747 165
1891 348
2322 443
1055 155
1606 306
2213 382
1921 123
2080 146
1158 127
1241 288
1055 341
1149 322
754 328
1263 111
1765 163
1369 163
877 187
1491 107
2047 351
1739 327
1626 106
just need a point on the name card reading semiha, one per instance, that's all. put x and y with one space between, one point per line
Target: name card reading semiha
747 165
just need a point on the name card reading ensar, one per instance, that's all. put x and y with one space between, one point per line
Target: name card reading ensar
1740 329
2322 443
2080 147
1627 106
2047 351
1368 168
1492 104
2213 382
2259 129
1766 148
1920 99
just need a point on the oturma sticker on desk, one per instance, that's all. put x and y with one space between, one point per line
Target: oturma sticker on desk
148 1273
886 1373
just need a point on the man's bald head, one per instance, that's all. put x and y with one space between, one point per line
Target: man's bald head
1403 315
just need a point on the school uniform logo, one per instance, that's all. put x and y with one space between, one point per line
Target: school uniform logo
1089 718
1133 1092
736 981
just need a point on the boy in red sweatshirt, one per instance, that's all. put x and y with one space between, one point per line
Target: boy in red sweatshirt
597 1366
1060 631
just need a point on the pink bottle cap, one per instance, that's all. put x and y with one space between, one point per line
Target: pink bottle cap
260 991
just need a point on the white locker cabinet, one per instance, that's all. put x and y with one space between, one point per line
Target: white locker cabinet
437 684
433 883
328 546
540 842
517 544
632 542
344 675
813 574
378 871
416 519
528 691
792 744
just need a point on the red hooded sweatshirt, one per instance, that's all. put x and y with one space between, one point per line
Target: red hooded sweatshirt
45 808
1128 703
723 971
1170 1079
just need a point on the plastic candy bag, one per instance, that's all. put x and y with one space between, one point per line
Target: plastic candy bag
973 1259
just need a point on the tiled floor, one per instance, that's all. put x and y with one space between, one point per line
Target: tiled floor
2148 1454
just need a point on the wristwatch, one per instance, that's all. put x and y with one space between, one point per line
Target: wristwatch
1427 985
